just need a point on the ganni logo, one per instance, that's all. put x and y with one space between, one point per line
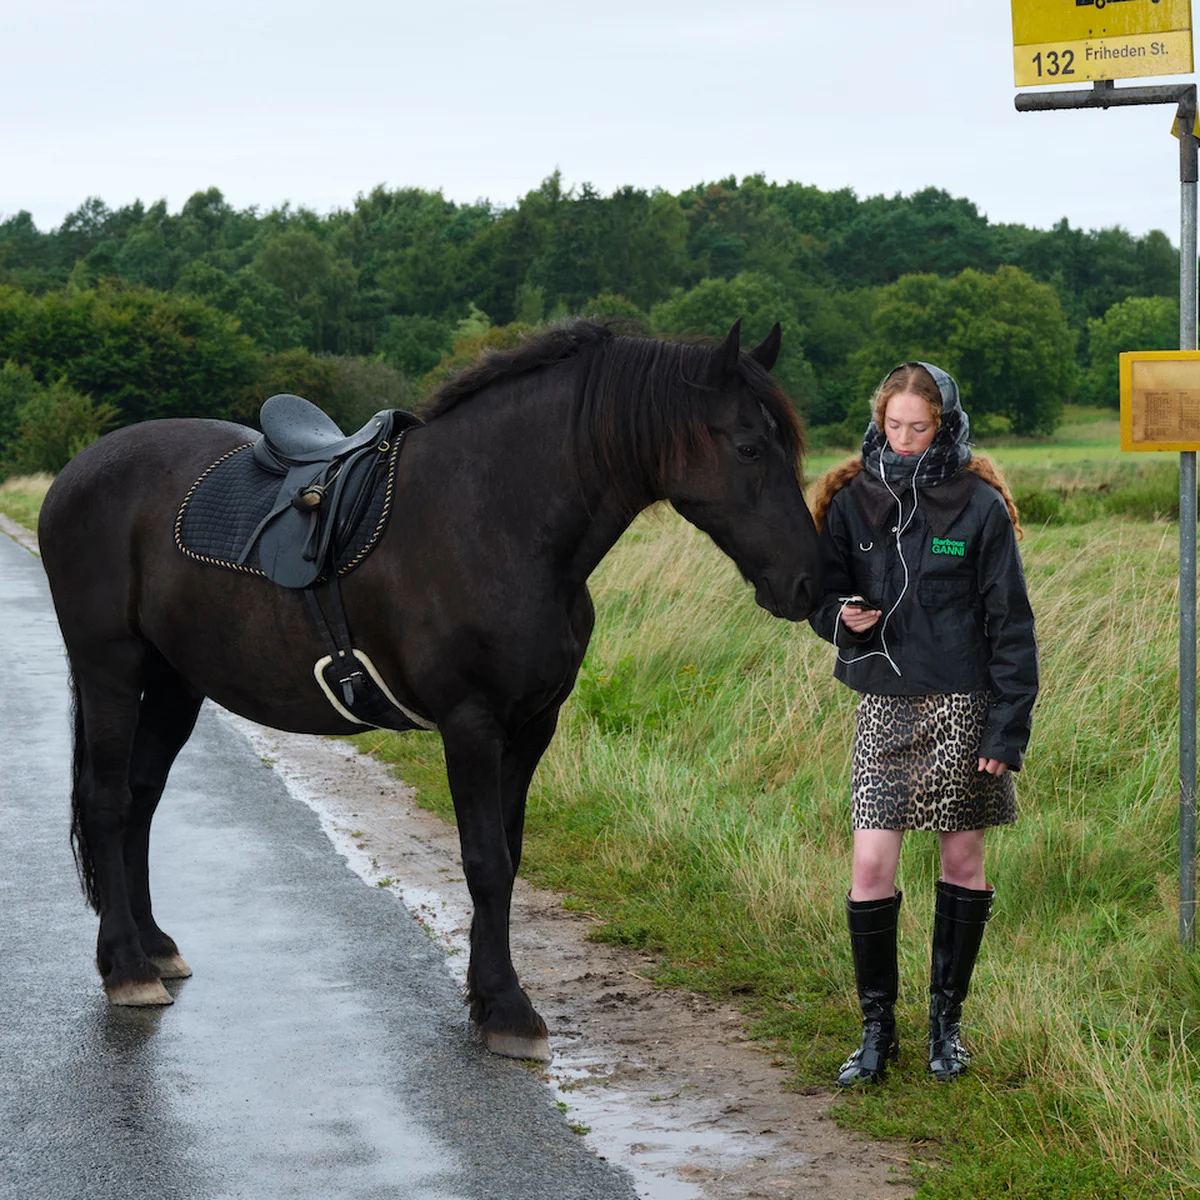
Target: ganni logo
949 546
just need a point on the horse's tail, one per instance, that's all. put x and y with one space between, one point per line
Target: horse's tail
79 843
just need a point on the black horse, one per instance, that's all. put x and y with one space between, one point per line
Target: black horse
474 606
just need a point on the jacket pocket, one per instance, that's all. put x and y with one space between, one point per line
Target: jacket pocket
946 593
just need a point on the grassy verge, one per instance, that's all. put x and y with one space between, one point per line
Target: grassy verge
21 498
695 802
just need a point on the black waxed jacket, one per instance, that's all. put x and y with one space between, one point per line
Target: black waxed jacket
952 590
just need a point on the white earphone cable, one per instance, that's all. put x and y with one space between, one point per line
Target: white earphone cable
900 528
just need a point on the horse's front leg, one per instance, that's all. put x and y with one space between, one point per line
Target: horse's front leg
520 759
474 749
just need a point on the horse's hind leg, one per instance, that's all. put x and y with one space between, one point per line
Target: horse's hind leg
166 718
109 681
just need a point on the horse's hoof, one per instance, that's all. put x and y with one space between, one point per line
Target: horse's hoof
171 966
512 1045
139 994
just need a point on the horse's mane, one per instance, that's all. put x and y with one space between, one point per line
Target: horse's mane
553 345
636 416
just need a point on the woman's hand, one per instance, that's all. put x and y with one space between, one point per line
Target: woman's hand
859 619
993 766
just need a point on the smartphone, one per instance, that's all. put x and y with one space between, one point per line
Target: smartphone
857 601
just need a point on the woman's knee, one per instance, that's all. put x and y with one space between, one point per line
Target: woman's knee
874 875
874 871
962 858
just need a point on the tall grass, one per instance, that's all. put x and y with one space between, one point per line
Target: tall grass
695 801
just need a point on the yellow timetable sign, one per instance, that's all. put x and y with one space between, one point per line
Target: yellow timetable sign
1160 400
1071 41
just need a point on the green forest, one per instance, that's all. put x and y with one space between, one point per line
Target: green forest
121 315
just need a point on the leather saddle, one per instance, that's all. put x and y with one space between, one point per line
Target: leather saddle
327 481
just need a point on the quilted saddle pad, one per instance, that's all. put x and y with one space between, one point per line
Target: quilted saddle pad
225 506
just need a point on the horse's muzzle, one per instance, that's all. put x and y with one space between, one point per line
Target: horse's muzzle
791 598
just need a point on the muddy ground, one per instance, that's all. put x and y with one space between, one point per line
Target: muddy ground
665 1082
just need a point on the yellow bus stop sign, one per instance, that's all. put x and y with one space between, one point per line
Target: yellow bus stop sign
1071 41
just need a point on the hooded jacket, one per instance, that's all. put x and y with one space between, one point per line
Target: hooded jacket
932 545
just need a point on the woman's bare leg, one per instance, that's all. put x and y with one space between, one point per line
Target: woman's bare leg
876 857
962 859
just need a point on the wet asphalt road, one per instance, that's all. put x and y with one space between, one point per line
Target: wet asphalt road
321 1048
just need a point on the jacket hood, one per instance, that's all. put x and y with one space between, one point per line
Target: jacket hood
950 398
948 453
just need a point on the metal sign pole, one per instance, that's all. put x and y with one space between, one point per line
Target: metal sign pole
1187 536
1104 95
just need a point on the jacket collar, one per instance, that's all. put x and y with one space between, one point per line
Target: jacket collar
942 505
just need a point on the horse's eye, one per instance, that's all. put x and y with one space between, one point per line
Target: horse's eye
748 453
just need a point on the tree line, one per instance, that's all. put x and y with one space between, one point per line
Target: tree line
126 314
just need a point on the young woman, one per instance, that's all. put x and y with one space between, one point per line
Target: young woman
926 605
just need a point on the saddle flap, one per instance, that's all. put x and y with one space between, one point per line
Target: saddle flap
281 546
289 539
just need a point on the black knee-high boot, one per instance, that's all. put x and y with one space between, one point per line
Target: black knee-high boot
959 917
873 942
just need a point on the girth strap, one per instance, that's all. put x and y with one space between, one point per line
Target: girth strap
348 677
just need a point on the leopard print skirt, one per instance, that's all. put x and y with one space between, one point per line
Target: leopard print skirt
916 765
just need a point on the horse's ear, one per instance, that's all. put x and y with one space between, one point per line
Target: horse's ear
767 351
725 359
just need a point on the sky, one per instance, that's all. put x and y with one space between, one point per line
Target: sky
312 104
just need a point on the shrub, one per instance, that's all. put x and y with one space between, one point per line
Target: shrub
149 354
298 371
53 426
1152 495
349 389
1039 507
415 345
470 345
362 386
17 386
609 306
